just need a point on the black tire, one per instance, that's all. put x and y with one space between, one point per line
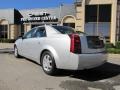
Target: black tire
16 54
52 70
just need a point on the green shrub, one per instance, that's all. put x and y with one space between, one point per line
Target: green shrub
117 51
113 50
110 50
7 40
118 45
109 45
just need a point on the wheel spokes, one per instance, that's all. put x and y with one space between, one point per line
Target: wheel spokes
47 63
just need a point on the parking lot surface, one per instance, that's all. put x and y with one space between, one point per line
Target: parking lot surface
23 74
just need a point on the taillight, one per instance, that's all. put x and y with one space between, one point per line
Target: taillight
75 46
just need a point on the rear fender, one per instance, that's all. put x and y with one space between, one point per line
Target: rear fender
53 51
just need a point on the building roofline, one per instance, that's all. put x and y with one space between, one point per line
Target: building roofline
8 9
46 7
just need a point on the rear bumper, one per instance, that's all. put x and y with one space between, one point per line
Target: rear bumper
80 61
88 61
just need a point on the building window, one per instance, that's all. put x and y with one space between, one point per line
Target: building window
98 13
98 19
118 21
69 24
104 13
104 29
22 30
3 31
69 20
91 13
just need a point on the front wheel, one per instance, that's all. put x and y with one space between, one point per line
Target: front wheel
16 52
48 63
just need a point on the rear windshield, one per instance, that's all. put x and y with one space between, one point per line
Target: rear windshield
94 42
64 29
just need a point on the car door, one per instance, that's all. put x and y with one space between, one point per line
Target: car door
37 43
26 43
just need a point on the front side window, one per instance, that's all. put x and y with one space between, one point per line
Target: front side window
29 34
40 32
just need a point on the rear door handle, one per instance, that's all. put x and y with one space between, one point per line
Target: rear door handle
38 42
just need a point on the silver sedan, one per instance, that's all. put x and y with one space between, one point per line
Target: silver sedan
60 47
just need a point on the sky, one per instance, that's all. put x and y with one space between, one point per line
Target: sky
29 4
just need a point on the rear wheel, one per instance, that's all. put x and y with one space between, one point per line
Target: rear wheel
48 63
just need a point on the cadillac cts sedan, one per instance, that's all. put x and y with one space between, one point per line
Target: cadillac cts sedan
60 47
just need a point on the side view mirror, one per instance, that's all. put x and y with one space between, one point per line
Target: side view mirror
21 37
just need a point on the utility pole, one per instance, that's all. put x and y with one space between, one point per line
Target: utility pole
60 10
97 26
4 31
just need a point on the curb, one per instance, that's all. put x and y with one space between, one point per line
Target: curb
7 50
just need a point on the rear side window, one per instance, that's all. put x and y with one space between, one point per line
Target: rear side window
94 42
41 32
64 29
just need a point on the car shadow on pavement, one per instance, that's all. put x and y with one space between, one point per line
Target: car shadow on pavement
108 70
27 59
32 61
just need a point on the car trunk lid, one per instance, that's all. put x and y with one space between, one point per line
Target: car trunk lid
92 44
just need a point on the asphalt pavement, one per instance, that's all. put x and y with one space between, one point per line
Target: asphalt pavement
24 74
